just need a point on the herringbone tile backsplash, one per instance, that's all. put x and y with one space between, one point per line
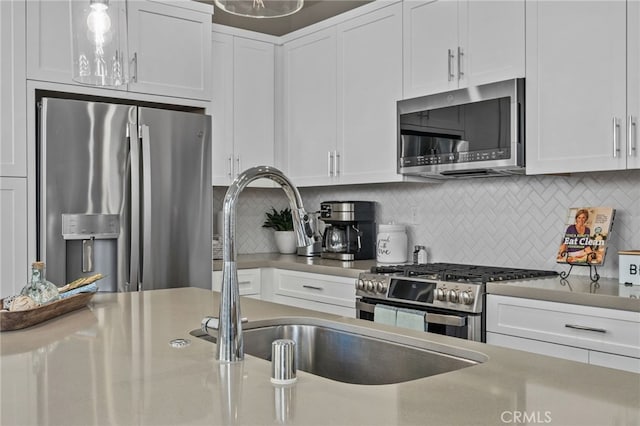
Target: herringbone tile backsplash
505 221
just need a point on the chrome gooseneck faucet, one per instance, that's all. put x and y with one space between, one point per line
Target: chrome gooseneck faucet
229 324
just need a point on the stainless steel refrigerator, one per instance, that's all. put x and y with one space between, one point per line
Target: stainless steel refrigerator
125 191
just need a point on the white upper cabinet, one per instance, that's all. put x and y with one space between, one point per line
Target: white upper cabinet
633 85
243 80
310 102
49 41
169 46
341 85
369 85
578 115
450 44
13 147
170 49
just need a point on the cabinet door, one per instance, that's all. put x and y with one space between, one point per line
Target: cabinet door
13 146
492 41
49 41
222 108
170 50
13 235
369 84
633 84
310 106
618 362
253 103
538 347
576 86
430 46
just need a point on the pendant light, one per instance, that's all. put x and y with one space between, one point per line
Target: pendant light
98 34
260 8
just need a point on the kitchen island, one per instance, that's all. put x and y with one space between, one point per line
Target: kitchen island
113 364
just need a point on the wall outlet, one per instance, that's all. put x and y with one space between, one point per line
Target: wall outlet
415 215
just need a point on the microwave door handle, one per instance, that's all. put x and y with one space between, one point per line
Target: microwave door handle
134 225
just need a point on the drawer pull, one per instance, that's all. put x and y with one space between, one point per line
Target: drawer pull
585 328
312 287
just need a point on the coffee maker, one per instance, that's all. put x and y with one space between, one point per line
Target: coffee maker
350 231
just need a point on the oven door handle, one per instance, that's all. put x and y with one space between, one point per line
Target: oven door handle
429 318
451 320
364 307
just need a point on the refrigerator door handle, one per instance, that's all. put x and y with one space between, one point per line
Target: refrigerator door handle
134 261
146 273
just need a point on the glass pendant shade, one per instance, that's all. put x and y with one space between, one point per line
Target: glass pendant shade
98 40
260 8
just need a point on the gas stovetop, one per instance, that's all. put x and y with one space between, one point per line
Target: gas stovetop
455 272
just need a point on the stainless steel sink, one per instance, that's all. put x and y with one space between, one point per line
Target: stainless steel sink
354 354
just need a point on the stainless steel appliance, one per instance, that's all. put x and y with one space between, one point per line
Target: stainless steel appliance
472 132
350 231
449 296
126 191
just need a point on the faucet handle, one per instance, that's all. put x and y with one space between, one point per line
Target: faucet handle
213 323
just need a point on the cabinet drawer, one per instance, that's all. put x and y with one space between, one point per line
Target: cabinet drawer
248 281
316 287
600 329
538 347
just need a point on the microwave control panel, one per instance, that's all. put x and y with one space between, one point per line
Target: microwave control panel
457 157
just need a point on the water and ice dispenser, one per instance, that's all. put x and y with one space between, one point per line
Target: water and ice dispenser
91 247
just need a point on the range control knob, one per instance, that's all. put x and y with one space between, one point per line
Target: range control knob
360 284
381 287
453 296
440 294
370 285
466 297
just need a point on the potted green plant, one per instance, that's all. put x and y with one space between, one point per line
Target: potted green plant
282 224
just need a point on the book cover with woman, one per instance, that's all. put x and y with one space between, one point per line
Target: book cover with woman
585 235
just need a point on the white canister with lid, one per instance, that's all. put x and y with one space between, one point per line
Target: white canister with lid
391 246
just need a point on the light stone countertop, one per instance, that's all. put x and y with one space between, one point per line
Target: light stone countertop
112 364
294 262
577 289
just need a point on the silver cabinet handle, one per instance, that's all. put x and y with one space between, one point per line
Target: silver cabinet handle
460 53
330 163
585 328
336 163
631 137
230 168
312 287
238 169
616 147
134 61
449 65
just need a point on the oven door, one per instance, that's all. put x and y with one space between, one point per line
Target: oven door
446 322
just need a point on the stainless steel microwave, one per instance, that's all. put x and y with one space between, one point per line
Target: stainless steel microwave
472 132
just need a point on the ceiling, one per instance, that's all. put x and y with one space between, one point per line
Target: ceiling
313 11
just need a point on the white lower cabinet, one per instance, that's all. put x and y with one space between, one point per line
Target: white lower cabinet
319 292
249 282
599 336
13 235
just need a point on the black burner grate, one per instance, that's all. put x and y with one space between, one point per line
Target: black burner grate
461 272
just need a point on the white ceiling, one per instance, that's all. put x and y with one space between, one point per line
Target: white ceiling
313 11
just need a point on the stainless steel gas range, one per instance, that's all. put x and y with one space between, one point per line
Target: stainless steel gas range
449 296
